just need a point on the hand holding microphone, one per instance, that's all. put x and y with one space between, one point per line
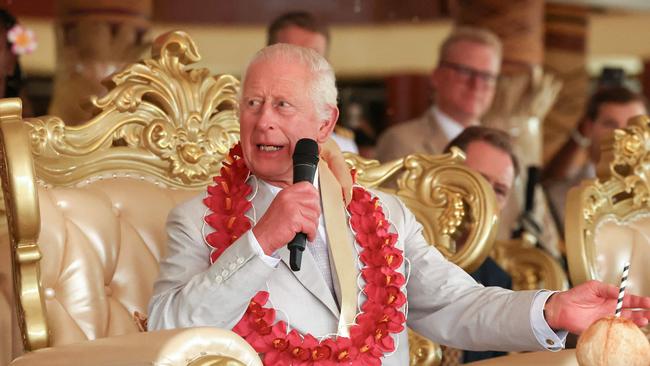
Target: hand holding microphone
295 210
305 160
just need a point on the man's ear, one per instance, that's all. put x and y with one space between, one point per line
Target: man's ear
327 125
435 78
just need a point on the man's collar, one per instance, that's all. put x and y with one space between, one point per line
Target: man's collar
449 126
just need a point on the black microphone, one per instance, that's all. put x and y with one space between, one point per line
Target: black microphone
526 221
305 160
534 174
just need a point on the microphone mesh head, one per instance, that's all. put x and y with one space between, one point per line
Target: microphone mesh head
306 152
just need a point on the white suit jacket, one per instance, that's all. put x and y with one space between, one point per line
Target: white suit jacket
444 303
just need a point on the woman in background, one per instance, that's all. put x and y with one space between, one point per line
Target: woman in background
18 41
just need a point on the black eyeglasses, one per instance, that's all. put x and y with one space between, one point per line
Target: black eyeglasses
467 73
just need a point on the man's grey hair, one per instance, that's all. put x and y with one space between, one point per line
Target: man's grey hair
322 86
471 34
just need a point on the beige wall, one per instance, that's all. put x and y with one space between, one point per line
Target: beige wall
378 50
356 50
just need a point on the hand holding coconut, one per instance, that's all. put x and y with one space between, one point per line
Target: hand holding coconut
576 309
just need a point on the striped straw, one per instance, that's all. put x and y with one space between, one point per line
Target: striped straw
621 290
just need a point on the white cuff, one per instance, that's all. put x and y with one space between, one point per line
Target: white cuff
270 261
546 337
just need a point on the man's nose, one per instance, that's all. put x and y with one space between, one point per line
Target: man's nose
267 117
475 82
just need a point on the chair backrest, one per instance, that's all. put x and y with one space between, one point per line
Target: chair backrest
608 218
455 205
87 205
530 268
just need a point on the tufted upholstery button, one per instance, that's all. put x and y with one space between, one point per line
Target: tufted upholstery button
218 279
232 266
240 260
224 272
108 290
116 211
49 293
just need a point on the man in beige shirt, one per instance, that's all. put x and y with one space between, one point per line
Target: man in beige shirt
464 83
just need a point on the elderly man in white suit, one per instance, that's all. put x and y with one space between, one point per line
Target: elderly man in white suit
288 93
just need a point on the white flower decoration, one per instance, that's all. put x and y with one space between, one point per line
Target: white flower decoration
23 40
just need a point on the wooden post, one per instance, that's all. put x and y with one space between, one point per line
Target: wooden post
566 45
95 38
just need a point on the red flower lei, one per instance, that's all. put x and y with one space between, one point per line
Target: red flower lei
381 313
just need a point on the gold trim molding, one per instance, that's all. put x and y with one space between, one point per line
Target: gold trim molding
23 219
158 117
214 360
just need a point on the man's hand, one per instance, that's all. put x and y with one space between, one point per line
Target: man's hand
576 309
295 209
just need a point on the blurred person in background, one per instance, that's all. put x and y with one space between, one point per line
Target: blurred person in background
18 41
609 108
489 152
301 28
464 83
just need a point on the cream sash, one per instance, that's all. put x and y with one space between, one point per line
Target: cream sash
341 249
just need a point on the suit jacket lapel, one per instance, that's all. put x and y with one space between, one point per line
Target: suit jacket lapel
438 141
309 275
311 278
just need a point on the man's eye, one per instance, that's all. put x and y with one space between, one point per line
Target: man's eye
283 104
500 192
253 102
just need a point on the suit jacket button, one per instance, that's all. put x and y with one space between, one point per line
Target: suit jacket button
218 279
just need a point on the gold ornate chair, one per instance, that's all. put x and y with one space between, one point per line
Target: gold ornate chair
529 267
86 209
608 218
87 205
455 206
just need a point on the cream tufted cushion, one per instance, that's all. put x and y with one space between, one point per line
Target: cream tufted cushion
619 241
101 244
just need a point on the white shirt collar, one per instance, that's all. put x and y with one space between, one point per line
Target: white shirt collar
449 126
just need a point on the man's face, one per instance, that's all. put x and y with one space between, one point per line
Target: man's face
464 81
494 165
611 116
304 38
277 111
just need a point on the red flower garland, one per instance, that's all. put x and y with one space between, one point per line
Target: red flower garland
381 314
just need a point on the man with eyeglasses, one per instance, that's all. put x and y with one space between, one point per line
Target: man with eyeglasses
464 83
